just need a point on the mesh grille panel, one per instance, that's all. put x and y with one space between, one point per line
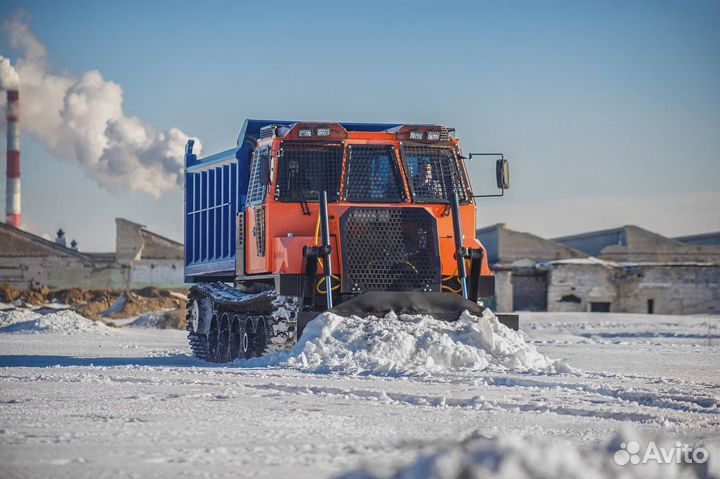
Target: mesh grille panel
434 173
373 175
389 249
267 131
240 261
306 169
260 230
256 191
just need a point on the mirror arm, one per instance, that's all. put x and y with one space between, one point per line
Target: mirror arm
502 190
502 193
470 155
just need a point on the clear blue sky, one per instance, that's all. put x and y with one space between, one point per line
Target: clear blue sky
609 111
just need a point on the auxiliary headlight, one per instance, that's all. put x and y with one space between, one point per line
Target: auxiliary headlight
433 135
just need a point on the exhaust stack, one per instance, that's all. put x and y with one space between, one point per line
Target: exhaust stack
12 190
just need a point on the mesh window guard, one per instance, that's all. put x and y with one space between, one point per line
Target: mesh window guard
434 173
307 169
256 191
373 175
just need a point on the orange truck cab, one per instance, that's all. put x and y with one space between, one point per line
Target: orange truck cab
360 218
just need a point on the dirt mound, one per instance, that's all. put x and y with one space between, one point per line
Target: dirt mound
146 300
90 303
34 297
103 304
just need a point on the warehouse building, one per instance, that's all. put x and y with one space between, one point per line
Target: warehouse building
631 243
141 258
625 269
706 239
513 255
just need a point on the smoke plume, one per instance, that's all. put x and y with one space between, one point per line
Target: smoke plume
81 120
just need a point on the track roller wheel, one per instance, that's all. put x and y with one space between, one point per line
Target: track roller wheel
213 340
246 335
235 338
261 337
224 339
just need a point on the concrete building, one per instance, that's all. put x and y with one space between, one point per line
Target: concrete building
662 288
626 269
141 258
146 257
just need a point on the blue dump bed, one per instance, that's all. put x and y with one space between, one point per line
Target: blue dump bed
215 191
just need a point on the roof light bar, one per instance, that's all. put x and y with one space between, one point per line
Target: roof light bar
307 130
422 133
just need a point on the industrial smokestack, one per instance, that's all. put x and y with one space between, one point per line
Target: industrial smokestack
12 190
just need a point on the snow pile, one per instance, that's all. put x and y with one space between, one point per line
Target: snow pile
416 344
514 456
59 322
168 319
150 320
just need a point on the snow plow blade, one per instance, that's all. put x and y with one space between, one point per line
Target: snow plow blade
441 306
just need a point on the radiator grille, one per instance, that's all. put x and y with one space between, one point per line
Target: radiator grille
260 230
389 249
268 131
240 249
373 175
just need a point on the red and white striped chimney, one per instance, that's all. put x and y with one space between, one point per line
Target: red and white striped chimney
12 190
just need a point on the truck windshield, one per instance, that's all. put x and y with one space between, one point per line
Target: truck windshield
434 173
305 169
373 175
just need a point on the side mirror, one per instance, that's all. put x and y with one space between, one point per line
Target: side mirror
502 174
265 168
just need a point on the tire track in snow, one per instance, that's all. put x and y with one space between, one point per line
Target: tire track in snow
672 399
440 401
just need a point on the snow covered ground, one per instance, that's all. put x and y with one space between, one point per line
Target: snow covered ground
78 399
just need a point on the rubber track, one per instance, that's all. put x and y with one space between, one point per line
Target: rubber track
198 342
227 299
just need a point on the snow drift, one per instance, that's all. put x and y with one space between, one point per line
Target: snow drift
514 456
409 344
60 322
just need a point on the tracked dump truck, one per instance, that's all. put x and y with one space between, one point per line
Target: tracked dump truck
353 218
